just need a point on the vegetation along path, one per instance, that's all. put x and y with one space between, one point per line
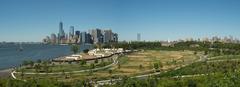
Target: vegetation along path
112 81
115 61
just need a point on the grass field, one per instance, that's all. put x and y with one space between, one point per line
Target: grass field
208 67
142 62
136 63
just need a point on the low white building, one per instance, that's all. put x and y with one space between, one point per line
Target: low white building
73 57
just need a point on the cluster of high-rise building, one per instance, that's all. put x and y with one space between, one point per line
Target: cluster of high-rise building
226 39
93 36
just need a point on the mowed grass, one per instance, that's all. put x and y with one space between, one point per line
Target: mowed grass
133 64
142 62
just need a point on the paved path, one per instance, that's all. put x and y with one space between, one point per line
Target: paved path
157 73
139 76
115 61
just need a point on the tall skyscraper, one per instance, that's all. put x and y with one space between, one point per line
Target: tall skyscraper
85 38
97 36
71 31
94 36
108 36
138 37
77 33
89 39
115 37
61 34
71 35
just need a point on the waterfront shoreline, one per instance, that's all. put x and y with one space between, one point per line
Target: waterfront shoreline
6 73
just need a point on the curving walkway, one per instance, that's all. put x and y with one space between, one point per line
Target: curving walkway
115 61
103 82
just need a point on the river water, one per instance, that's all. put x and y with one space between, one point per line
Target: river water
12 55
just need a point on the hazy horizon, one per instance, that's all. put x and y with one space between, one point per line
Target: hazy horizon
32 20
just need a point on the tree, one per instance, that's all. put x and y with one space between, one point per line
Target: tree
92 66
25 62
205 52
140 66
90 72
156 66
28 63
85 50
110 72
45 66
191 83
99 46
39 61
160 64
22 73
37 67
195 52
79 83
75 48
96 61
119 66
83 62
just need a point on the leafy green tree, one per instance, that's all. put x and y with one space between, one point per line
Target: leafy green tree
28 63
92 66
119 66
31 63
99 46
83 62
39 61
37 67
110 71
191 83
195 52
85 50
45 66
96 61
140 67
75 48
156 66
22 73
25 62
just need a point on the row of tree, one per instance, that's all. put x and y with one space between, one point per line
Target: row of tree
229 79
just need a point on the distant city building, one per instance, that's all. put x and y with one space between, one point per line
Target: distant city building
115 37
89 38
53 38
138 37
94 36
71 35
77 33
61 34
108 36
215 39
71 31
83 37
86 38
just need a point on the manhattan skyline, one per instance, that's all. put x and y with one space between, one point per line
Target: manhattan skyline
30 21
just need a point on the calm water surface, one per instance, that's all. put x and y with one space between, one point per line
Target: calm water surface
12 55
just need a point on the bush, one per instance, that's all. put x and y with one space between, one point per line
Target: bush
85 50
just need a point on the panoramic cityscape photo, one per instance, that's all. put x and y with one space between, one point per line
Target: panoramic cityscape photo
119 43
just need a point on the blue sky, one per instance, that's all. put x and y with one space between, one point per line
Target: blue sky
32 20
